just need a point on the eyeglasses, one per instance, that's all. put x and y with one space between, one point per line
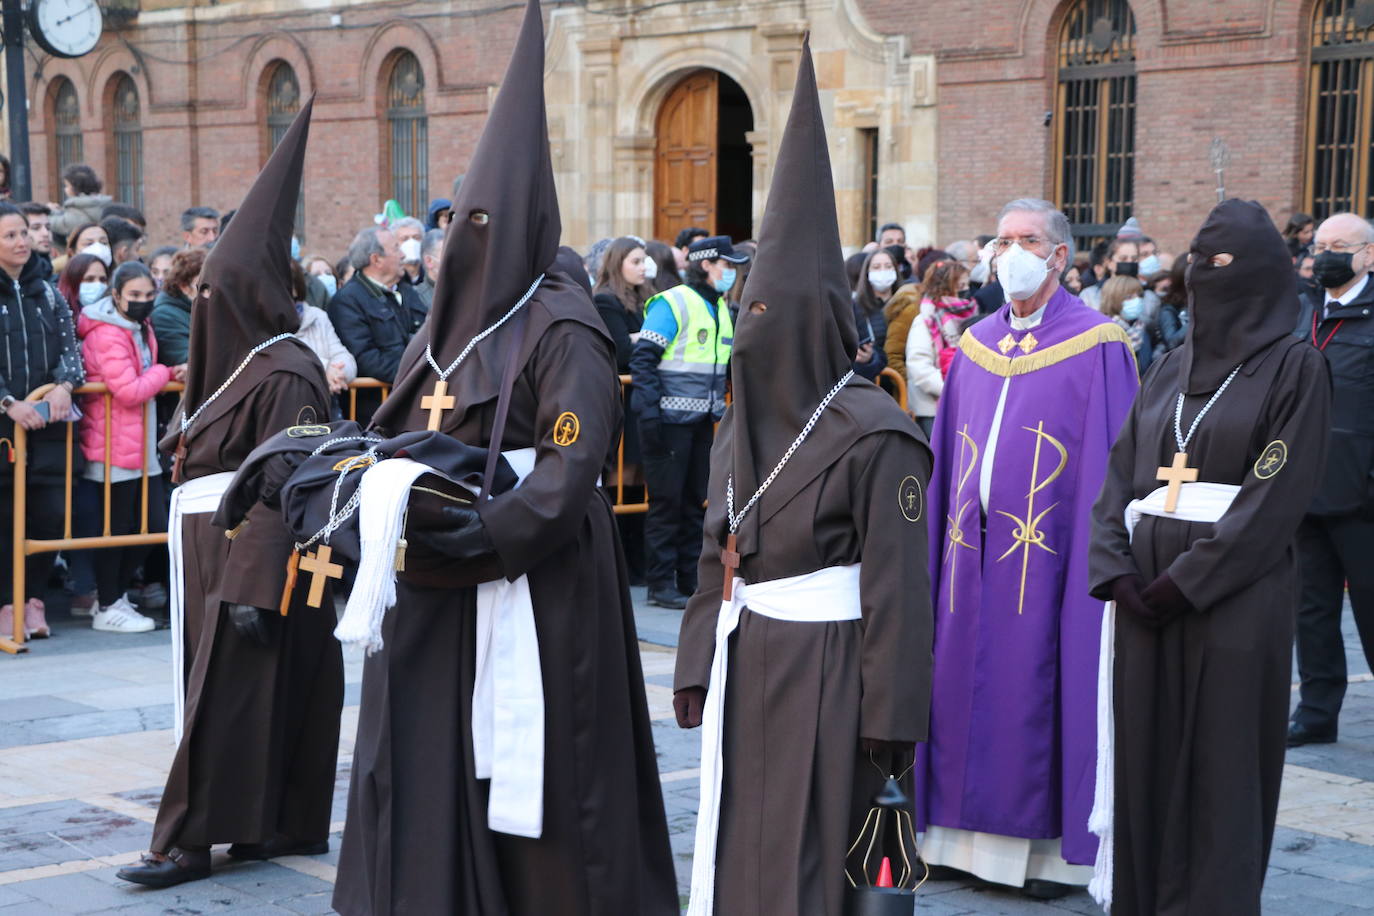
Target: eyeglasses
1338 247
1000 245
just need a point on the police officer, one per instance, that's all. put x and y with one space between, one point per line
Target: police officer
678 369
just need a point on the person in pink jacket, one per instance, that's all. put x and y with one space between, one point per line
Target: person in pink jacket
120 351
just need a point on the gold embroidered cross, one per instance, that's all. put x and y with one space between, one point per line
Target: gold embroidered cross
1028 343
1006 344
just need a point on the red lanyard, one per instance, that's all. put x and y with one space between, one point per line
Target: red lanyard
1322 346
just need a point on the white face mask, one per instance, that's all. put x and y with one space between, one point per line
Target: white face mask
99 250
1021 272
882 280
410 251
650 269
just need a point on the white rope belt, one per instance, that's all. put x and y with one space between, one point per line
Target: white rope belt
1197 502
508 695
194 497
830 594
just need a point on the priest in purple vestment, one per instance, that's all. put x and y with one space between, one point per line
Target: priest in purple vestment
1033 401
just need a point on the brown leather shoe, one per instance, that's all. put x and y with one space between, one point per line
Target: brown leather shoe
176 867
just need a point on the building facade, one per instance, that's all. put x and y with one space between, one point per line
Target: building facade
663 115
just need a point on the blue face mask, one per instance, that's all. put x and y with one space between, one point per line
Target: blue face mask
331 285
91 293
726 281
295 248
1149 265
1130 309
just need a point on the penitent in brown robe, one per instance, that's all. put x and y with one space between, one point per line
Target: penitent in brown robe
417 839
1201 703
258 755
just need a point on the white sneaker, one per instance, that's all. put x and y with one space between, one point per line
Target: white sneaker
120 617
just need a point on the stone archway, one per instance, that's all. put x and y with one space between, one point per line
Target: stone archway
703 162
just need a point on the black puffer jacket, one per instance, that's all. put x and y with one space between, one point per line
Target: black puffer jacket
1346 338
39 347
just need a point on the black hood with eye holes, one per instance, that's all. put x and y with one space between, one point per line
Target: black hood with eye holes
1236 310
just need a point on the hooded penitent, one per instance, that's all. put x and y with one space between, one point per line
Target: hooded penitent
245 287
798 275
503 236
1237 309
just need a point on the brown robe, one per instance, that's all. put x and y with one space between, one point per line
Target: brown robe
799 696
1201 705
260 747
416 839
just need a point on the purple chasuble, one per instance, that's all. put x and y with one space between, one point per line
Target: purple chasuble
1013 736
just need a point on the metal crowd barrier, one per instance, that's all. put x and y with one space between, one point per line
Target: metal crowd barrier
24 547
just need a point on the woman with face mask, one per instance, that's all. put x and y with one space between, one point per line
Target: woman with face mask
1122 302
91 238
120 351
84 281
878 280
172 308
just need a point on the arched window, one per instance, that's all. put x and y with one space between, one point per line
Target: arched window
1095 117
66 130
283 99
408 150
1340 137
128 142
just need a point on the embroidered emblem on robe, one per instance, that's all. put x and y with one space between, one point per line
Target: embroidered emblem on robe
566 429
1271 460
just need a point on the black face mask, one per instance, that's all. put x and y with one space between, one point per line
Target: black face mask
1127 269
138 312
1333 269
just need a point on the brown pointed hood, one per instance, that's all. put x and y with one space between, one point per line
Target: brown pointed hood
245 293
503 235
799 274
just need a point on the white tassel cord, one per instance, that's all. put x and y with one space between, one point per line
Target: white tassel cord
1104 794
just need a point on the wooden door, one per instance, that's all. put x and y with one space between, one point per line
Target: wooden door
685 160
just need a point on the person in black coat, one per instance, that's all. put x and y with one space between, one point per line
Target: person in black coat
1336 537
623 285
373 313
40 348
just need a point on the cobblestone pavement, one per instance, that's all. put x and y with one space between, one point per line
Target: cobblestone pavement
85 740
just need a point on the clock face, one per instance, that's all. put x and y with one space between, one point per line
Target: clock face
66 28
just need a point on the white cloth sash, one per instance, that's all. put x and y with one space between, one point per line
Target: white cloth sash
508 694
194 497
1197 502
830 594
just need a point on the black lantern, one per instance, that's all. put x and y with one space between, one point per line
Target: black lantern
876 891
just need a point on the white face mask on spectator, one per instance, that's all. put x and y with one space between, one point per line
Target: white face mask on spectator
99 250
650 269
882 280
91 293
410 251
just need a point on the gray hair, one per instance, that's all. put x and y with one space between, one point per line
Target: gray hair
432 243
408 222
962 250
191 214
364 245
1368 226
595 255
1056 223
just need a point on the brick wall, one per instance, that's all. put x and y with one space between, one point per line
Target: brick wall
201 88
1236 70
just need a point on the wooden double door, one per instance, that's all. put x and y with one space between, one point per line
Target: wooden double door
687 154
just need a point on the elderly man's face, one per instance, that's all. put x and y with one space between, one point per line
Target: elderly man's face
1346 234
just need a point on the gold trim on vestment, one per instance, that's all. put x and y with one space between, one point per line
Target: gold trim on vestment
1026 533
1005 366
955 534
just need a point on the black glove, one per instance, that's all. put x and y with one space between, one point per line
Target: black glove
253 623
688 704
459 533
1126 594
1166 600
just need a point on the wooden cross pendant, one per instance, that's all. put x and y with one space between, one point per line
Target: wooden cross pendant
1176 475
317 564
179 459
437 403
729 558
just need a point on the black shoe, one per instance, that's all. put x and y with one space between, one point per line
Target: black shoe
278 846
1299 734
1040 889
177 867
945 873
667 597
